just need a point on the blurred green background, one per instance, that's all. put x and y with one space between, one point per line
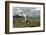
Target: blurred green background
19 21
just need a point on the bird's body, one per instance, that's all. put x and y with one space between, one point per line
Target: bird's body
22 14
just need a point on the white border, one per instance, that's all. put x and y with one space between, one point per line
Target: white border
11 29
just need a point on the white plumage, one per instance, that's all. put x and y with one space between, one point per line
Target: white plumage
20 13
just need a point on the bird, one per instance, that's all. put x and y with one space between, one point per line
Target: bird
21 13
